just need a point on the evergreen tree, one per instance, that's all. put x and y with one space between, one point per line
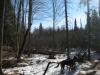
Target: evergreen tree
75 25
40 30
95 30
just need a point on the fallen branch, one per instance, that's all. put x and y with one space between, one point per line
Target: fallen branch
46 68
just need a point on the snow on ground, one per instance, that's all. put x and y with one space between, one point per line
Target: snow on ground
37 64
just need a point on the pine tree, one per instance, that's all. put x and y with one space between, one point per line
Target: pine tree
40 30
75 25
95 30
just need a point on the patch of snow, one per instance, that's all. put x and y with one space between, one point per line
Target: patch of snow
73 53
98 72
23 64
38 63
96 61
82 72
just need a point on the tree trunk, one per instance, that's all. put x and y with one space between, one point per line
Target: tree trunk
67 34
89 29
2 32
99 9
18 25
53 24
27 31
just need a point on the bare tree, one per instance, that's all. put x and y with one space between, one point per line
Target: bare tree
2 33
35 7
22 26
55 8
15 2
89 29
87 3
66 22
54 18
99 9
29 26
18 23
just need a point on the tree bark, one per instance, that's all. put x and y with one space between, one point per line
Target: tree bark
99 9
2 32
66 22
18 25
27 31
89 29
54 24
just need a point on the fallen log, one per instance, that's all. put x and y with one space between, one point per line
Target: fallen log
46 68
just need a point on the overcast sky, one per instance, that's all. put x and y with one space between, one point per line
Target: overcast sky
74 11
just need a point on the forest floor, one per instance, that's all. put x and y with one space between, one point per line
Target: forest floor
37 63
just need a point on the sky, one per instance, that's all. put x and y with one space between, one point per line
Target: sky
74 11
